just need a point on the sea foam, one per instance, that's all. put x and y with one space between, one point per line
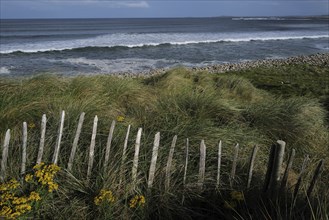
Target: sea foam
136 40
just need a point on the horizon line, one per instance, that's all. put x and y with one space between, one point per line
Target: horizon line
221 16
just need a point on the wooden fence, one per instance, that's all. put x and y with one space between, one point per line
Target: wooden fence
272 186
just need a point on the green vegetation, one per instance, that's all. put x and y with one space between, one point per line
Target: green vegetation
291 80
246 107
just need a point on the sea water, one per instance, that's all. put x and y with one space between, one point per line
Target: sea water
108 46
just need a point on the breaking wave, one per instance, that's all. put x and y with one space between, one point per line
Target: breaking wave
126 41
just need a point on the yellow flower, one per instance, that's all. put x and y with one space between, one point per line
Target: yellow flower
34 196
238 196
3 187
97 200
38 166
120 118
7 196
53 168
45 175
28 178
104 195
19 200
137 201
15 215
52 186
13 184
31 125
12 203
23 208
5 211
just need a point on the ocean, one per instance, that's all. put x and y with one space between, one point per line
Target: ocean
112 46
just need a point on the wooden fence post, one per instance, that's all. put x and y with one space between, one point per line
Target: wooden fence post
186 161
124 155
251 165
92 149
4 156
154 159
235 161
108 146
136 155
315 176
219 162
23 167
75 142
286 172
202 164
42 138
169 162
277 164
59 139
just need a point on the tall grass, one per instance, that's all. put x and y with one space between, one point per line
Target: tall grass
194 105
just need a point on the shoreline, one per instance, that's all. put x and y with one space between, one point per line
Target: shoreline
319 59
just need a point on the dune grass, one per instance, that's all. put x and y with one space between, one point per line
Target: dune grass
240 107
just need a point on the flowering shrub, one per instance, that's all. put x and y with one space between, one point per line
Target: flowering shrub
44 174
137 201
15 202
12 204
105 196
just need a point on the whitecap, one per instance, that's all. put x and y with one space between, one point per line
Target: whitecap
155 39
4 70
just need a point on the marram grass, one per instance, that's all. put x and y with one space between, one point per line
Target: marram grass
194 105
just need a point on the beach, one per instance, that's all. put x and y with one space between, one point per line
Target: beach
321 60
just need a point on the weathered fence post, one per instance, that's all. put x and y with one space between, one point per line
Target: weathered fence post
274 168
202 164
277 164
59 139
286 172
315 176
153 160
124 155
108 146
23 167
251 165
42 138
169 162
219 162
185 166
75 142
92 149
235 161
136 155
4 156
186 161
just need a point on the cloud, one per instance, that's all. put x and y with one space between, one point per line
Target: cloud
105 3
110 3
117 4
134 4
113 3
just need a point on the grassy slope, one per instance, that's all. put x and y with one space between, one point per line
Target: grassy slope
292 80
249 107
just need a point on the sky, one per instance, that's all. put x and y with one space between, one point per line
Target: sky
157 8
